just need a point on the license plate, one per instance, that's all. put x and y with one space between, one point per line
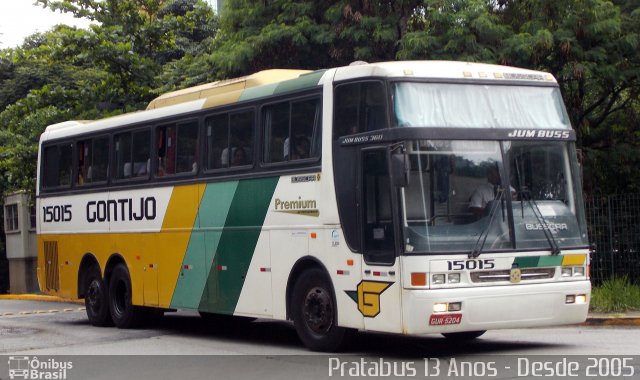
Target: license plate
445 319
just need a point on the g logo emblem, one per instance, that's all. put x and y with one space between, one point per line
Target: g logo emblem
368 296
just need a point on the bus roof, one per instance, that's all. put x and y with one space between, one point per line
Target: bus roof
441 70
224 87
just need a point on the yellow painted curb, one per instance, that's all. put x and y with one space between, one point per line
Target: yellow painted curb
613 321
37 297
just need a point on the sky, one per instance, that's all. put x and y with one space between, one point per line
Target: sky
20 18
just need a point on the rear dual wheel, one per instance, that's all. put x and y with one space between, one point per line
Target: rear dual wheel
123 313
96 300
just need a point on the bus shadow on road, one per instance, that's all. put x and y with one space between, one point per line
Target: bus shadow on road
282 334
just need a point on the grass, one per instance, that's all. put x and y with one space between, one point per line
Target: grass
615 296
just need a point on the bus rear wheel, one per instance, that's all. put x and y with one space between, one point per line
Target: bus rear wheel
123 313
313 310
464 336
96 300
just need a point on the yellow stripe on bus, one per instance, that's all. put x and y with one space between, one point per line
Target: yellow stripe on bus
176 231
569 260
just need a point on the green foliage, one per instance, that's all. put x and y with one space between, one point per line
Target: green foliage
615 295
116 66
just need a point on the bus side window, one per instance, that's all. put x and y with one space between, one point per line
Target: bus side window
229 139
217 135
359 107
123 155
57 166
292 131
133 154
241 138
304 129
141 153
93 160
379 240
187 149
276 133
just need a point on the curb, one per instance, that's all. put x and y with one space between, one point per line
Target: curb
614 320
37 297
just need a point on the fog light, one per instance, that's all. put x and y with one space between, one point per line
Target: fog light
566 272
578 271
454 278
438 279
439 307
581 299
570 299
455 306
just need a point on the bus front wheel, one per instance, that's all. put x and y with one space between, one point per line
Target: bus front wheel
123 313
96 300
314 312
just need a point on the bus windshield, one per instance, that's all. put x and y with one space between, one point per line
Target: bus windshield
457 199
478 106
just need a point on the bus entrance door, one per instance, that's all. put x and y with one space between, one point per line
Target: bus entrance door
379 288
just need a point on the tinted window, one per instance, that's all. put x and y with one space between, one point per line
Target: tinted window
177 147
93 160
292 131
57 166
132 154
359 107
229 140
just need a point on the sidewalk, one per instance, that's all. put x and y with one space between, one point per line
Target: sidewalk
37 297
630 318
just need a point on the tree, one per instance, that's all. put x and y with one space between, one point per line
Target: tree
69 73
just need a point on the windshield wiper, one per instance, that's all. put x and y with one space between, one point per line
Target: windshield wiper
525 194
553 244
477 248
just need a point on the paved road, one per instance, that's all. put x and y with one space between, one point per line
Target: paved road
275 349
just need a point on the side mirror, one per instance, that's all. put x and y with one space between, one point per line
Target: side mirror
400 169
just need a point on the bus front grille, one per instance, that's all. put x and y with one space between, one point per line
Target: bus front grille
527 274
51 273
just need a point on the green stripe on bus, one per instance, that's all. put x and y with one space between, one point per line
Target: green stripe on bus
550 261
538 261
258 92
305 81
237 244
207 229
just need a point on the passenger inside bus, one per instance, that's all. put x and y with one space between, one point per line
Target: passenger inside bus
239 157
486 192
302 148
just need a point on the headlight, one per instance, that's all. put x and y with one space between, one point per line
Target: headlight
439 307
437 279
453 278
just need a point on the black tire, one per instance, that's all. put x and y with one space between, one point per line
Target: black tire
96 298
464 336
123 313
313 309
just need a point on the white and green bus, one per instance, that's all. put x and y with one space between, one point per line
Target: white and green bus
401 197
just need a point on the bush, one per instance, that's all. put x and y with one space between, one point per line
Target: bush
615 295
